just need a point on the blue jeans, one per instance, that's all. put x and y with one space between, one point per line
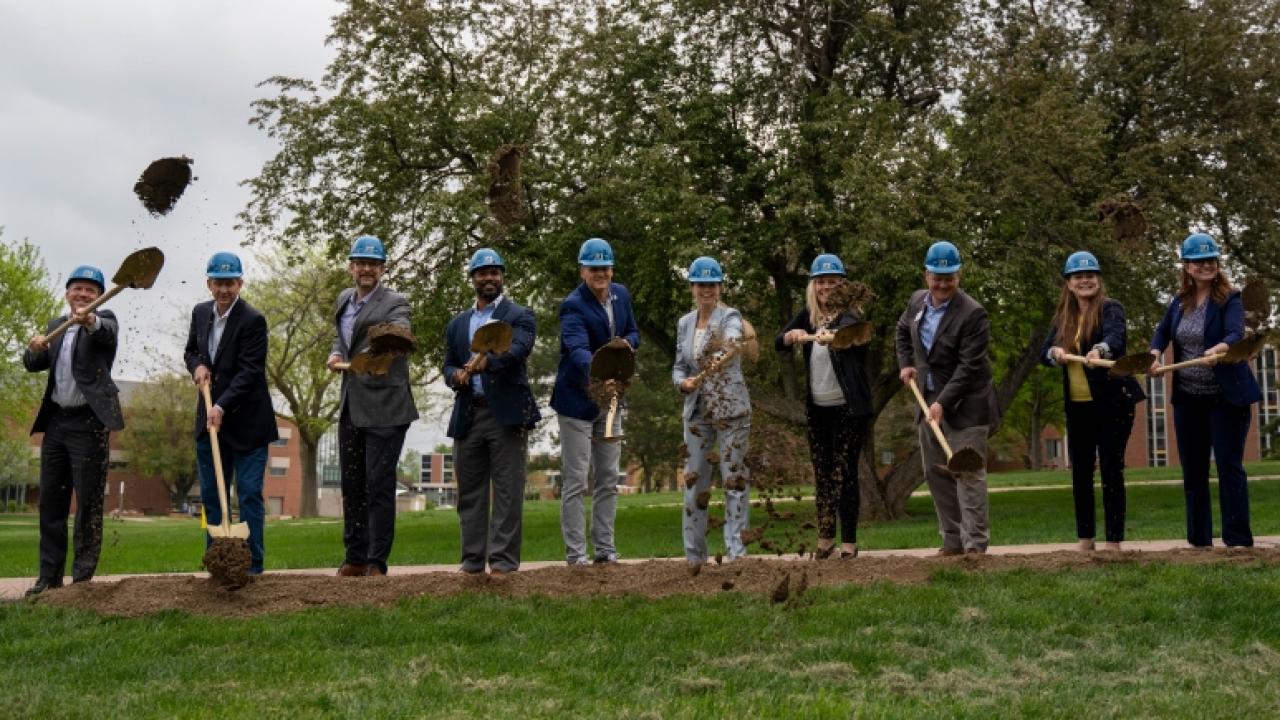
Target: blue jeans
246 468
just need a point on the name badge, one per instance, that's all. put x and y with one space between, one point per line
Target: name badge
919 315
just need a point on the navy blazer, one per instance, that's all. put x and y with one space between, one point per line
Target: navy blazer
239 383
505 378
1222 324
91 361
850 365
1122 392
584 328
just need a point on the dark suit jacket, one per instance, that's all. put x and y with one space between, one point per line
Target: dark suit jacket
584 328
959 361
374 400
850 365
239 383
1122 392
91 361
505 380
1221 324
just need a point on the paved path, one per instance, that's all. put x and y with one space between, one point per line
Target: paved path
13 588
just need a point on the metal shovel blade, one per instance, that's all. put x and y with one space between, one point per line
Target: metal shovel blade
966 459
1246 349
1134 364
855 335
371 364
613 362
492 337
235 531
140 269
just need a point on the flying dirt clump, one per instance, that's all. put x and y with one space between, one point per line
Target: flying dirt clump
506 191
162 183
227 561
392 338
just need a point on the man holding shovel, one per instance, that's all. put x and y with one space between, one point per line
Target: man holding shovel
596 314
942 342
493 410
375 415
227 350
79 410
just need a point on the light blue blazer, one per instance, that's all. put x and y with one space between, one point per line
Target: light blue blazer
729 385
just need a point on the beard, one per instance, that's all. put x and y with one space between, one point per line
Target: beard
489 291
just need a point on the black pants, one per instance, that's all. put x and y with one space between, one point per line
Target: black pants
1211 423
490 463
368 457
1098 430
835 442
73 456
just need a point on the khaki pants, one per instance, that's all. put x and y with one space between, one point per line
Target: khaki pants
960 499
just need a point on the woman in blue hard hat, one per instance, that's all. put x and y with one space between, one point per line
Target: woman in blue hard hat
1210 403
837 405
1099 407
717 411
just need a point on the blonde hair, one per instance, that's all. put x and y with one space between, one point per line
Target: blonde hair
817 318
1073 325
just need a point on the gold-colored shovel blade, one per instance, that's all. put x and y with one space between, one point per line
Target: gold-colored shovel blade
854 335
1246 349
140 269
237 531
1134 364
613 362
493 337
371 363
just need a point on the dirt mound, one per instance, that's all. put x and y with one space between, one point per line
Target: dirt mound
162 183
276 593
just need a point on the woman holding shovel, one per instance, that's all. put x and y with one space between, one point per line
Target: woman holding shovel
717 411
837 405
1211 399
1089 326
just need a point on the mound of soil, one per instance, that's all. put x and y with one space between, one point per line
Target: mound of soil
276 593
162 183
228 561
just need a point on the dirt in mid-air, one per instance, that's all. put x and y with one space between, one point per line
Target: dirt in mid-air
162 183
228 561
392 338
277 593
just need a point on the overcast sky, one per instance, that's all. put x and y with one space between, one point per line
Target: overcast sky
91 92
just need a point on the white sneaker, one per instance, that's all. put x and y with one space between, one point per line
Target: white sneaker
577 562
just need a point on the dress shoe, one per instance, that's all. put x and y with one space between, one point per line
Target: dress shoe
43 584
848 551
375 571
948 552
352 570
976 551
824 549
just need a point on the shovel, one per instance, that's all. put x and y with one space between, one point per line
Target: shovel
740 346
967 459
615 361
1241 351
491 337
240 530
139 270
856 334
368 364
1256 300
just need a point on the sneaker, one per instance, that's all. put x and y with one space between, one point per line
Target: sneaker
577 562
43 584
607 558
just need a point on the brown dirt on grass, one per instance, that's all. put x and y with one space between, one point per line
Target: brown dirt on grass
277 593
162 183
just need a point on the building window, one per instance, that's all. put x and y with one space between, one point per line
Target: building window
282 442
1052 449
1157 423
1269 408
886 457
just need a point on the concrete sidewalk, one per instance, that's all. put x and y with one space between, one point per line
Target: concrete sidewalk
13 588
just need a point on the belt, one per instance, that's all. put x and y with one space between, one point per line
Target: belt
479 401
74 409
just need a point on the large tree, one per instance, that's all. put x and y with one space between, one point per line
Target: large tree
763 133
157 439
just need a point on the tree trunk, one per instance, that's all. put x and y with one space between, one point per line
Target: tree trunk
308 451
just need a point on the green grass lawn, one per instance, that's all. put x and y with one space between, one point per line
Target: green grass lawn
1110 641
648 526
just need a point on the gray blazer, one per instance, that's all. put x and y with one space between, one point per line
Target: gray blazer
729 386
91 361
959 359
374 400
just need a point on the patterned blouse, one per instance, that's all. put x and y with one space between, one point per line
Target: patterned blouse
1190 334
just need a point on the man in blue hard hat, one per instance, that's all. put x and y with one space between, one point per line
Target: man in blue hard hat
375 413
597 313
227 348
80 408
942 344
493 411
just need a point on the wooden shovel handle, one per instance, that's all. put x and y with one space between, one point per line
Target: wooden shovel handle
937 431
715 365
92 306
217 460
608 421
1197 362
1091 362
342 366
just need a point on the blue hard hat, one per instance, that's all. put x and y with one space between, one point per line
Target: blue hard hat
943 258
89 273
368 247
224 265
705 270
595 253
826 264
483 258
1079 262
1199 246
